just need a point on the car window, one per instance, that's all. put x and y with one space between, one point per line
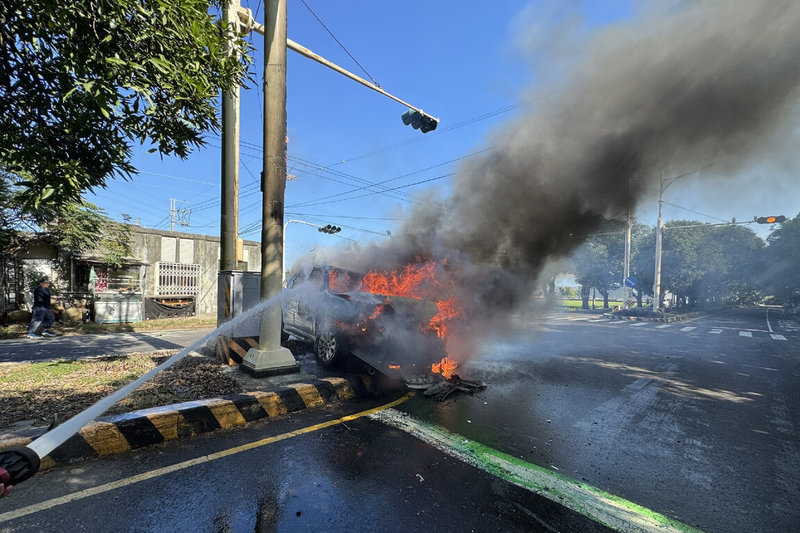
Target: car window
340 280
316 277
296 279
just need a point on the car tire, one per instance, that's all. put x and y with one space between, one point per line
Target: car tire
330 348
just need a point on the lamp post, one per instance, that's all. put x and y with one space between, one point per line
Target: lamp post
663 185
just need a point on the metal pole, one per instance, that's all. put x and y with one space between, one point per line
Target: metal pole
270 358
172 214
627 263
230 157
659 232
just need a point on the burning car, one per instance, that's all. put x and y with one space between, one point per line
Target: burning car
339 312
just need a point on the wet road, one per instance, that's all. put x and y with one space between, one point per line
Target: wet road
699 420
357 475
79 346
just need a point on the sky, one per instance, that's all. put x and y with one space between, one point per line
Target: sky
477 68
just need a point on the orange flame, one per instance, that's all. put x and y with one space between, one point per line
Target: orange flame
445 367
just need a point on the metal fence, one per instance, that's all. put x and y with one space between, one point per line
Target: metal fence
177 279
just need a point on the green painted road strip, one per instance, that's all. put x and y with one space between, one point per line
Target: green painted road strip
607 509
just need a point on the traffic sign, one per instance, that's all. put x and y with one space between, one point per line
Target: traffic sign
630 282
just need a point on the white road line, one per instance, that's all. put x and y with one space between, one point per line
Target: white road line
600 320
716 331
777 337
635 324
688 328
662 326
768 325
745 334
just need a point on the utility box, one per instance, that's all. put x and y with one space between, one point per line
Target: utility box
238 292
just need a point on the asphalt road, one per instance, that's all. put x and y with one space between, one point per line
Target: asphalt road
80 346
697 421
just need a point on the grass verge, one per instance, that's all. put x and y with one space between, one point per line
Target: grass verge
41 392
13 331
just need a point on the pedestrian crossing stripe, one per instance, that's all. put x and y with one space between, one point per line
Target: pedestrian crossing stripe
777 337
745 334
688 328
600 320
662 326
716 331
638 324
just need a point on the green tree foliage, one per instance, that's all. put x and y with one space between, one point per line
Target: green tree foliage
81 81
72 227
780 270
599 261
709 264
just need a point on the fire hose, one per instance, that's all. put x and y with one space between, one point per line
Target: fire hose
18 463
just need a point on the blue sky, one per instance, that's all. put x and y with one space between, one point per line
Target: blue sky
465 62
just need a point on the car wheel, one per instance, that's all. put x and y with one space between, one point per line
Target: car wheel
330 348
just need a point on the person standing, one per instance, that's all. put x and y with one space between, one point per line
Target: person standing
41 314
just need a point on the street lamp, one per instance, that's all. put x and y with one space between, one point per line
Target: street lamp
664 184
322 229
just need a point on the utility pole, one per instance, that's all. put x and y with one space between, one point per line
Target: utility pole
270 357
663 184
177 214
229 223
229 194
626 269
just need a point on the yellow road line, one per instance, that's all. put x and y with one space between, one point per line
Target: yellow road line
48 504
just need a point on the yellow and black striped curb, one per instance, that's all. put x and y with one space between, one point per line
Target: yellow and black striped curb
121 433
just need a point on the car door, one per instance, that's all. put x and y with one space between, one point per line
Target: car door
309 300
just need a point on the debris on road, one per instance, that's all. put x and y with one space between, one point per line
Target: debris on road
443 389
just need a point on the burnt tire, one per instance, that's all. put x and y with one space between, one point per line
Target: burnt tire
330 349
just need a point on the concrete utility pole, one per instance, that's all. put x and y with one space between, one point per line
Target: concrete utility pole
626 268
270 357
229 225
663 184
229 219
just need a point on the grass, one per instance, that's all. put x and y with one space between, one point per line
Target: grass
43 391
14 331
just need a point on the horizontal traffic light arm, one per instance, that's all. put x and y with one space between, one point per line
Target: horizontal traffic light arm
248 23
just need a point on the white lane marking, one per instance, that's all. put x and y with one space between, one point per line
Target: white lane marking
662 326
600 320
635 324
688 328
716 331
768 325
777 337
745 334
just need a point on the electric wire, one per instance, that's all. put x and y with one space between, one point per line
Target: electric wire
340 44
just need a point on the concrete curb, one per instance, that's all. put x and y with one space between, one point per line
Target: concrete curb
122 433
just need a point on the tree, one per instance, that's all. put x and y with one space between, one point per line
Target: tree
81 81
71 227
709 263
599 261
780 270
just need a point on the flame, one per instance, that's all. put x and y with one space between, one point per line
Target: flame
419 280
445 367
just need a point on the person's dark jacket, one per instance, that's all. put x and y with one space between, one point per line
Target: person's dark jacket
41 298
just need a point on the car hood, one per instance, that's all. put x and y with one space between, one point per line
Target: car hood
423 310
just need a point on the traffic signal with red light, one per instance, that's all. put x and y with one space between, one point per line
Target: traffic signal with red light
419 121
771 220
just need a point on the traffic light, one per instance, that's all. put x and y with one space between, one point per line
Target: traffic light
419 121
771 220
329 229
